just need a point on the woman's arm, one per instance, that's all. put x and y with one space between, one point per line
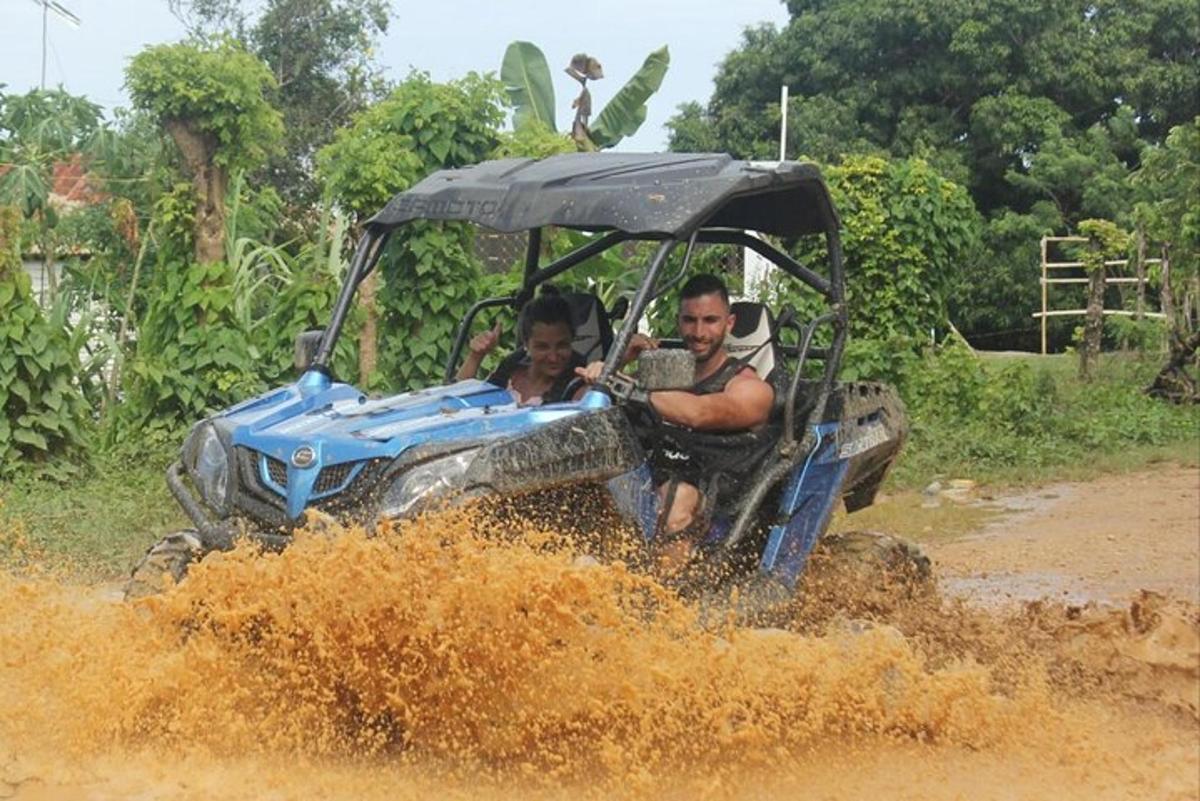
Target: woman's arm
481 345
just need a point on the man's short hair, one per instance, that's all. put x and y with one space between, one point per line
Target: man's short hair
704 284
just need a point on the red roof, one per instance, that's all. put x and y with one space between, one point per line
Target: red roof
70 182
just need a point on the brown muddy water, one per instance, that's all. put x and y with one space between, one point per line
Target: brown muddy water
436 662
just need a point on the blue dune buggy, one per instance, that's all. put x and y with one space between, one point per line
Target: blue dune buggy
254 469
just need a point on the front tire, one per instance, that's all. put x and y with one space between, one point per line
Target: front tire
170 556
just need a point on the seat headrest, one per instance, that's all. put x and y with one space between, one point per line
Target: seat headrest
593 331
753 326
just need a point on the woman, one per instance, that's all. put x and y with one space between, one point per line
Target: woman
542 369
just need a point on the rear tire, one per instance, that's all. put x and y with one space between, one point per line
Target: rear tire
862 575
172 555
873 554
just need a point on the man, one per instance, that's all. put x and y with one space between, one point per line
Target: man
728 395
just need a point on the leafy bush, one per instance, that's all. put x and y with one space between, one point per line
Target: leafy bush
1143 336
431 276
305 303
988 416
42 414
429 270
906 232
192 356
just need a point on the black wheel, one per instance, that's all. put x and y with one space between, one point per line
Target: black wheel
872 554
864 576
172 555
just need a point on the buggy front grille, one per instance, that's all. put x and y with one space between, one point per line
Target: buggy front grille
332 479
277 471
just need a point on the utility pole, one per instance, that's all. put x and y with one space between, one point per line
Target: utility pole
783 115
59 10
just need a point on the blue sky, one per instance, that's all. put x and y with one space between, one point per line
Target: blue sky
446 38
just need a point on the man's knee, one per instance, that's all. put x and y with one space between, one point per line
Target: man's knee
684 506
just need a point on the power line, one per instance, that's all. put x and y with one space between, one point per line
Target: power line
61 12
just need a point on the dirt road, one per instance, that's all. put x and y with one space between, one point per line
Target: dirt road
1104 540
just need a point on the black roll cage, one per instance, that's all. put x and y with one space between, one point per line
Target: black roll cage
370 247
790 451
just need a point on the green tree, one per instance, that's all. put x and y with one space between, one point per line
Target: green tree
906 231
1023 103
39 130
429 268
1168 185
321 54
899 66
1105 242
212 100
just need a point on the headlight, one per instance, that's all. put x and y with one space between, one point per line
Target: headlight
425 482
212 469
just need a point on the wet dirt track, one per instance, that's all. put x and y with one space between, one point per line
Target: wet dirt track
440 664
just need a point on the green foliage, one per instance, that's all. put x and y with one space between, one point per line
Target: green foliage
38 130
626 111
1168 184
304 303
431 277
42 414
994 298
906 232
420 127
429 270
175 215
218 90
1105 242
1027 105
322 54
193 355
1020 417
530 90
532 141
527 81
1147 336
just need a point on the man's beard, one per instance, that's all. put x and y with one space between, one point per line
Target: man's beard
713 348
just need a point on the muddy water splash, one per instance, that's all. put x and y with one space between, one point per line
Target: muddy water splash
436 661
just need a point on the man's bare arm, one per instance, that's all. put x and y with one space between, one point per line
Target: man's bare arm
744 403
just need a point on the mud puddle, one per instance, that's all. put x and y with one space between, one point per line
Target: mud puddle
441 663
1102 541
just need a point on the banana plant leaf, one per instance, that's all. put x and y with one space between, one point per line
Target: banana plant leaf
626 112
526 78
26 187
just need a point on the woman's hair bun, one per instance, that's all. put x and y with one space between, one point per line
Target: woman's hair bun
549 291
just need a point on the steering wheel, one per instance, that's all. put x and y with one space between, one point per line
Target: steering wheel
627 392
573 386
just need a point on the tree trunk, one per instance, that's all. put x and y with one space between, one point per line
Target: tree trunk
1173 381
1093 326
368 350
1166 298
211 182
1140 313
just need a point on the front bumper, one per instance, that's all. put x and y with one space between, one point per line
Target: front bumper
216 534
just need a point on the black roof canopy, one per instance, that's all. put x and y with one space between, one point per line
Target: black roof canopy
668 194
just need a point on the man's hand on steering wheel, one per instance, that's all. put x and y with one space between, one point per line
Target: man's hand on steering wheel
623 389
